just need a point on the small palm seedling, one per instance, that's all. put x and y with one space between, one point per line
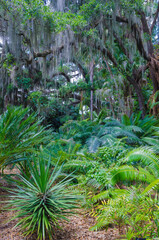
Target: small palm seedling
41 201
140 211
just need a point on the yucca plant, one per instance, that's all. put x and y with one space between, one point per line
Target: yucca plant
20 133
41 201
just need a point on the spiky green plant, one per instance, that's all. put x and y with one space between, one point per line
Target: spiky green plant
41 201
20 133
149 124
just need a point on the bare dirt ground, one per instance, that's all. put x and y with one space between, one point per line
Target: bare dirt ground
76 229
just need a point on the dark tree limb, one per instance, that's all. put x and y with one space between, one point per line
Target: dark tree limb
140 96
121 19
155 19
106 52
139 42
81 68
63 74
146 31
75 103
137 73
121 45
47 52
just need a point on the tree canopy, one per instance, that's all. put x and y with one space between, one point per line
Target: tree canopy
86 53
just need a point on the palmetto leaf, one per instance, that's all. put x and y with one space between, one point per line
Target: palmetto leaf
129 173
149 174
152 186
110 193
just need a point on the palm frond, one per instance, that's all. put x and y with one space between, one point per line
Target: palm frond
109 194
125 120
79 166
146 156
152 186
20 132
129 173
93 144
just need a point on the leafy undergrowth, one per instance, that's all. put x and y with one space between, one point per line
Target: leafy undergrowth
113 172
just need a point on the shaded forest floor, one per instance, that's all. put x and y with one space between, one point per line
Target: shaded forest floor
76 229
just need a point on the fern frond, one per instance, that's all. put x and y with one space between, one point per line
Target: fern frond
133 128
81 166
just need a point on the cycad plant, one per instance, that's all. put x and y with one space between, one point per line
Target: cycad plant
145 168
20 133
95 135
41 200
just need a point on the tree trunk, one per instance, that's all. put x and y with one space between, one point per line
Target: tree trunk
91 80
140 96
154 75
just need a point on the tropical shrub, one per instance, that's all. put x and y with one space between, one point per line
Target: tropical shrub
143 165
131 209
63 150
20 133
133 132
110 155
41 200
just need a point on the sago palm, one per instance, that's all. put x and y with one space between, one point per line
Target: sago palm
20 132
149 172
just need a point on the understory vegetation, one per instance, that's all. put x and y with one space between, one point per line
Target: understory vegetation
79 108
109 168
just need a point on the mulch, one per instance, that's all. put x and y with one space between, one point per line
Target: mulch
76 229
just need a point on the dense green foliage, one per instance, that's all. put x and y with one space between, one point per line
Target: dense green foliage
111 161
20 134
79 97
